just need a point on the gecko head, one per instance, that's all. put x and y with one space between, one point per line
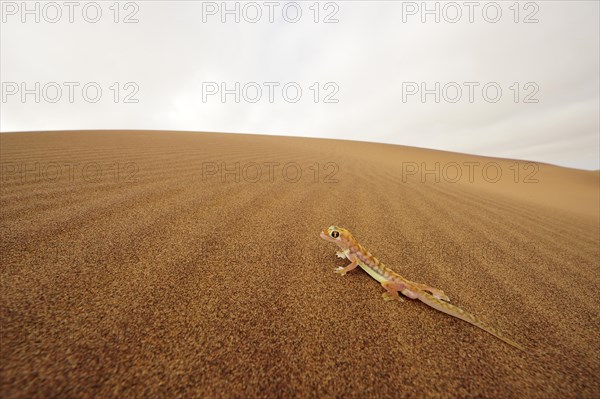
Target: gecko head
335 234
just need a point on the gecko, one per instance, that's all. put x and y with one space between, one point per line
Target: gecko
395 283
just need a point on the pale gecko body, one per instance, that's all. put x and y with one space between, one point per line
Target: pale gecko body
394 283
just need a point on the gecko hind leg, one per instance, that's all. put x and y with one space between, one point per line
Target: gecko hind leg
391 291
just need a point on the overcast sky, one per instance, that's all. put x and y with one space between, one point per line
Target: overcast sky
361 74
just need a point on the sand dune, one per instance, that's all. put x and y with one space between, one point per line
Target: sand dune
132 266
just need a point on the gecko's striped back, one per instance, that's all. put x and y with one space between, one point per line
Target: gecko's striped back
374 264
378 270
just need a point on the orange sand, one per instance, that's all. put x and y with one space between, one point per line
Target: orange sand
157 282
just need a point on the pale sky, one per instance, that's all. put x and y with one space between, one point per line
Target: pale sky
375 61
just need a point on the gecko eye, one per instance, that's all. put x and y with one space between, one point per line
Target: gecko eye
335 234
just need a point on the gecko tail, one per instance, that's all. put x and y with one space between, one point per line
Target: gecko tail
459 313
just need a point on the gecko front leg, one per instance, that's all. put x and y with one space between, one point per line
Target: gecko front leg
342 254
343 270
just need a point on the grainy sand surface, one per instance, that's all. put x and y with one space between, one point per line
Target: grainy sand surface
161 281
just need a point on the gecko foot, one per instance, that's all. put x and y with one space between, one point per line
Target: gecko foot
340 270
391 297
340 254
